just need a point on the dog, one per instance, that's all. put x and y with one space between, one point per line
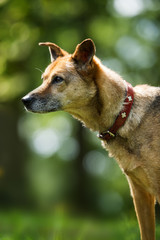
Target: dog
127 118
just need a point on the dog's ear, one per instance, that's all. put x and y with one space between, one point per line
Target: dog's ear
55 51
84 52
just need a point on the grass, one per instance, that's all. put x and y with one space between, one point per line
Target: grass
20 225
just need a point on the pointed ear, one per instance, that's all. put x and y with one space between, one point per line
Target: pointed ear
55 51
84 52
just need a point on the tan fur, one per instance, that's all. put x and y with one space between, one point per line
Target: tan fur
94 94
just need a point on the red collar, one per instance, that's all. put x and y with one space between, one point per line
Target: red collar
122 116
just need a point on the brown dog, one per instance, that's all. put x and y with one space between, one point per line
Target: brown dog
128 119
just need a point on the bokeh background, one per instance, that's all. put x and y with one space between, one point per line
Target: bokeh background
56 181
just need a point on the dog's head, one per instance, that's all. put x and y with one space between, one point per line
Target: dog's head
67 82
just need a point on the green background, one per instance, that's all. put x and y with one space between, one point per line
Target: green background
56 181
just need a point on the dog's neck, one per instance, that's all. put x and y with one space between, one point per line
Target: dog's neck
112 90
100 113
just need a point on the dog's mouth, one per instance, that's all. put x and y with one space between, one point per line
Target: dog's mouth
40 105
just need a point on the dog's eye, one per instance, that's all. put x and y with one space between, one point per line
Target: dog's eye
57 79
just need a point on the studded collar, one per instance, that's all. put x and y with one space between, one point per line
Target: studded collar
122 116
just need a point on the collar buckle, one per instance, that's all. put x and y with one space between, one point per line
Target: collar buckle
102 135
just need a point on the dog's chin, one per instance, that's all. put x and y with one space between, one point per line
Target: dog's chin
42 111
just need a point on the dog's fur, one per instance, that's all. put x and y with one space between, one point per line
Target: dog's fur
95 94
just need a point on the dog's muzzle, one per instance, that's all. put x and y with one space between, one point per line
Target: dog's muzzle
36 104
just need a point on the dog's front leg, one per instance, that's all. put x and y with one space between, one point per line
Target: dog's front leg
144 204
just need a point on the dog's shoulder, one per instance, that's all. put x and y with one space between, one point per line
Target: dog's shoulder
155 105
153 109
152 116
149 95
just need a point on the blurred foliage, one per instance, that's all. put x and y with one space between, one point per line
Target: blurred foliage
47 160
59 226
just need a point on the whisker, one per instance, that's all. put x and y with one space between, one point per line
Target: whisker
39 70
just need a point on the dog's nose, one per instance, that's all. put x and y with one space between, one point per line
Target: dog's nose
27 100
